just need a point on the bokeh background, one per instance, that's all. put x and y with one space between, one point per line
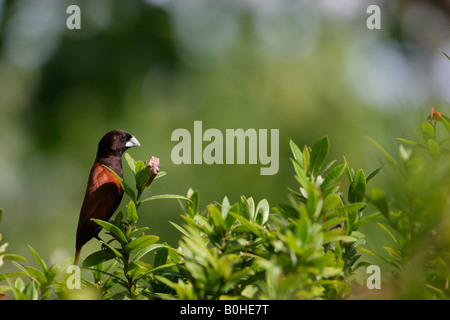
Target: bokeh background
308 68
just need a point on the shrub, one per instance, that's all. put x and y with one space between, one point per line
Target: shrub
310 248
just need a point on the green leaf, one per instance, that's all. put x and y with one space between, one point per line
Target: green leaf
378 198
330 238
140 243
254 228
128 190
333 175
262 212
427 131
368 219
53 271
433 147
352 220
181 229
116 232
352 207
347 170
331 271
446 121
37 274
301 175
132 215
296 152
142 252
118 218
357 188
17 289
393 252
319 153
143 174
130 162
225 207
31 291
98 257
362 264
384 152
10 275
117 253
250 205
217 218
332 222
1 215
161 267
358 235
160 174
306 159
247 208
287 211
354 259
413 143
11 256
328 166
373 174
444 54
167 282
438 292
331 202
379 257
136 231
302 233
140 166
165 196
387 231
338 250
192 208
160 257
230 219
41 262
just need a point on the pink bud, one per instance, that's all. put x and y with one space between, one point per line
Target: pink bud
153 166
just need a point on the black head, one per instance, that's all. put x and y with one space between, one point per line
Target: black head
114 143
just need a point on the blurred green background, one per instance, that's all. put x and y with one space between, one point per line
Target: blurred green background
307 68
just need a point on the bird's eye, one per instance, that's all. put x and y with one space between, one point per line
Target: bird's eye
123 136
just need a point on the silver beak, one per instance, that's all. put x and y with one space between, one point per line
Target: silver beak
132 143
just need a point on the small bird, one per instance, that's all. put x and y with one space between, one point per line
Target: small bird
103 192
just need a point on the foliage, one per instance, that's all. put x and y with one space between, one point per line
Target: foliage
311 248
302 250
41 282
417 220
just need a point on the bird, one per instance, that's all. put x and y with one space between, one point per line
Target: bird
104 191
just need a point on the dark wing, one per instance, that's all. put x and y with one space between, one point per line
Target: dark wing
103 196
